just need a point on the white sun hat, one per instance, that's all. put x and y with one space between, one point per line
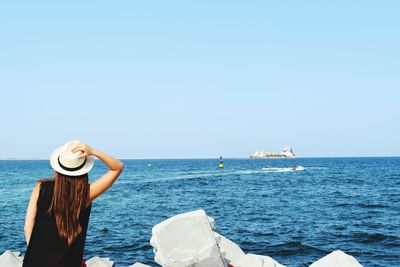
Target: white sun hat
64 161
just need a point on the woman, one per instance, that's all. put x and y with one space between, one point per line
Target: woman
58 212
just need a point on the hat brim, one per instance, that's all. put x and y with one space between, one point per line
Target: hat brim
56 166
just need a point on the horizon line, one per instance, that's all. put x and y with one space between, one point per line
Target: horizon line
229 157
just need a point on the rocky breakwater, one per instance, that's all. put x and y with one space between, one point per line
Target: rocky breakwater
190 240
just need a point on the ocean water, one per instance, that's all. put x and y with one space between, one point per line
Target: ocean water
296 217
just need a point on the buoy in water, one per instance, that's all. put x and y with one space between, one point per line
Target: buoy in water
221 164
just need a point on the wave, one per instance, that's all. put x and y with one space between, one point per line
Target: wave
373 206
317 168
360 205
286 249
370 238
207 174
141 246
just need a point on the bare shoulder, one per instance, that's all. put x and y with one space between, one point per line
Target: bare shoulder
41 182
38 186
36 189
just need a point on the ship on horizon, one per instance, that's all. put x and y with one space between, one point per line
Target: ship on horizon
287 152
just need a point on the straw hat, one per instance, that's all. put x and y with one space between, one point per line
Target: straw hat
64 161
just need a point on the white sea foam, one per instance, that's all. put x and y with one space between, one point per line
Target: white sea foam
317 168
286 169
219 173
205 174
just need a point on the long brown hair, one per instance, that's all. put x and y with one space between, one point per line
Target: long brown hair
69 198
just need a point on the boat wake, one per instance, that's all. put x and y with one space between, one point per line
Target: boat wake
287 169
218 173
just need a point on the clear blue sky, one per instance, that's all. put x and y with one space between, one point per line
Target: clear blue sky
156 79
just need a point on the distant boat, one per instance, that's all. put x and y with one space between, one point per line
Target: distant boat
297 168
283 169
287 152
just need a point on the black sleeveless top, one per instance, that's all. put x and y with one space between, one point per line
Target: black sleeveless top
46 248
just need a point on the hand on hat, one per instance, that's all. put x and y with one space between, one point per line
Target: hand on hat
85 150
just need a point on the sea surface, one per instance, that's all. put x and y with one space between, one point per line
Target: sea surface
296 217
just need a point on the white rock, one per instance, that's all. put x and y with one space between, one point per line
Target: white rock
212 222
10 259
252 260
138 264
337 259
99 262
186 240
230 251
18 255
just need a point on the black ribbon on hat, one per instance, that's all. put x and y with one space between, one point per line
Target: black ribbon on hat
71 169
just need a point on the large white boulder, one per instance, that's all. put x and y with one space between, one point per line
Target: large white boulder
99 262
11 259
230 251
138 264
337 259
186 240
253 260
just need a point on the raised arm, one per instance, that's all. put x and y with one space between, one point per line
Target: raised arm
106 181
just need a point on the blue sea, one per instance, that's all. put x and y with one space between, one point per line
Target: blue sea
296 217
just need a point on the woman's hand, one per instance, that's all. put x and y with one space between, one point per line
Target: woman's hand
85 150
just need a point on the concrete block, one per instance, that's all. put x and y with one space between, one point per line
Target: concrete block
337 259
230 251
212 222
138 264
99 262
253 260
186 240
11 259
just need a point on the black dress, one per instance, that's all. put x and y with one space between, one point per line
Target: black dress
46 248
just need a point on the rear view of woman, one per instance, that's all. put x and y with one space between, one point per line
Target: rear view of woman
59 209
